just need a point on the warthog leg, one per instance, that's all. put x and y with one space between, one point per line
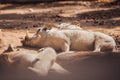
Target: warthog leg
97 50
97 47
66 47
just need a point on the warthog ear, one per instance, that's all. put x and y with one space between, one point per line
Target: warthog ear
27 35
44 29
10 48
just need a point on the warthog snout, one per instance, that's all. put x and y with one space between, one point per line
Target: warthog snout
32 41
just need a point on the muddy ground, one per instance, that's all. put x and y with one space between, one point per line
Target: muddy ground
15 19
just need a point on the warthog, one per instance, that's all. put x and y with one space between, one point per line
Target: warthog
29 65
86 65
60 26
65 40
68 26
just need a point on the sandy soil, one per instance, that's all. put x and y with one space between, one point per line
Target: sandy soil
15 19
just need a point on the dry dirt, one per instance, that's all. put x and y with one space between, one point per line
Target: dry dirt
15 19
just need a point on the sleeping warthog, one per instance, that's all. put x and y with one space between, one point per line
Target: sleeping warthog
68 26
26 65
62 26
88 65
65 40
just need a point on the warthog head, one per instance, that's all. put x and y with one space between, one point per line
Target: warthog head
23 65
5 63
32 40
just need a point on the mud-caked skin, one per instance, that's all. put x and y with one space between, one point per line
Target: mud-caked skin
66 40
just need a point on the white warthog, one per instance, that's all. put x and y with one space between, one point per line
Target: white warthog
28 64
86 65
68 26
60 26
65 40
